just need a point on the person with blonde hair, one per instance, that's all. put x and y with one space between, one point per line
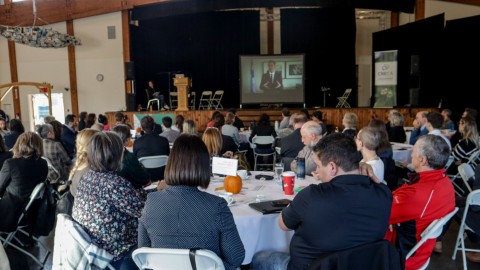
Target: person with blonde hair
189 127
80 166
19 176
469 142
212 138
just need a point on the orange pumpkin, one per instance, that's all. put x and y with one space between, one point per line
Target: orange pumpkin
233 184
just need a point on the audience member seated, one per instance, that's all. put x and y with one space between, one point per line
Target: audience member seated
179 119
385 152
80 166
238 122
121 119
150 144
168 132
285 118
189 127
55 152
350 122
131 169
428 196
292 144
212 120
230 130
4 153
317 116
182 216
367 141
107 206
434 123
91 119
227 142
16 128
311 133
102 119
447 121
19 176
396 132
213 139
69 134
419 128
284 132
82 120
469 142
3 127
342 189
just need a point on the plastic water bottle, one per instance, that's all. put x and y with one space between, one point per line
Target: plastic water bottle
276 124
300 168
337 130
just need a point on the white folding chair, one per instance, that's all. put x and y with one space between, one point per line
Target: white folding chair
431 232
7 240
74 249
342 101
167 259
215 101
263 140
153 101
472 161
466 172
204 102
173 100
472 199
154 161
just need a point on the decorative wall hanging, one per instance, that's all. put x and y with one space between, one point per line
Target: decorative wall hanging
36 36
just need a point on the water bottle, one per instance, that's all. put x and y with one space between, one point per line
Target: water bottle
276 124
300 168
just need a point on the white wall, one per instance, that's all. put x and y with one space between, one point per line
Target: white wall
100 55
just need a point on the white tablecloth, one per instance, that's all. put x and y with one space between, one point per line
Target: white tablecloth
259 232
402 152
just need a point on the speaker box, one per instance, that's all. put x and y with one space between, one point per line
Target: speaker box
129 71
414 64
414 95
131 102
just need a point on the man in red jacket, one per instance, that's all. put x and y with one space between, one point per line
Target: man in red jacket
428 196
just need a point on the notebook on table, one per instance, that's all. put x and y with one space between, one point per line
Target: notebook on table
270 207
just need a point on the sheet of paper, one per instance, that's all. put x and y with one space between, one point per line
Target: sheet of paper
226 166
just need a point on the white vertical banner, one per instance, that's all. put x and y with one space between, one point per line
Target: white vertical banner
385 79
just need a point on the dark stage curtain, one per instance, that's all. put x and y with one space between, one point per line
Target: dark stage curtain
420 60
327 38
204 46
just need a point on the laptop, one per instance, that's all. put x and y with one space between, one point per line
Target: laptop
270 207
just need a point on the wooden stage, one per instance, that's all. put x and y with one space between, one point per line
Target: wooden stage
331 116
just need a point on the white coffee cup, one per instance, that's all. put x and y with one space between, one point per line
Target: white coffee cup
243 174
228 196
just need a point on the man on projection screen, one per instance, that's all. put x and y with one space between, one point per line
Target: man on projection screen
272 79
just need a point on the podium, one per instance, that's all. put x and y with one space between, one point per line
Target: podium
182 90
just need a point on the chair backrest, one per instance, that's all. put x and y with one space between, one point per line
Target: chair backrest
154 161
466 171
74 249
347 92
263 140
53 173
218 94
206 95
166 258
432 231
473 198
378 255
36 194
449 162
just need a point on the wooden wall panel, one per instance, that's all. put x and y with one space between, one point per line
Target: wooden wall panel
332 117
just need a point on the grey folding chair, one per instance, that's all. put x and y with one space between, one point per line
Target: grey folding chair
7 238
216 100
173 100
204 102
342 101
263 140
154 161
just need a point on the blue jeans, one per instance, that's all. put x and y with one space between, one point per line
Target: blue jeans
270 260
